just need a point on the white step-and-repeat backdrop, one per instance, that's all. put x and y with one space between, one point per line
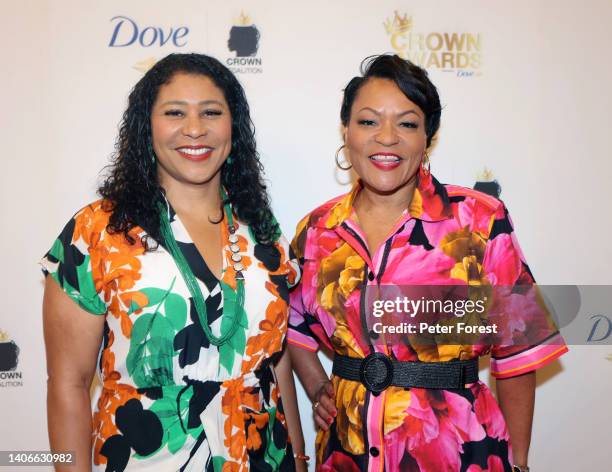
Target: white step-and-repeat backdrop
526 93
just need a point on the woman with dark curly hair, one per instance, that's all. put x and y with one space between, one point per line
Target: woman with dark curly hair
185 263
411 403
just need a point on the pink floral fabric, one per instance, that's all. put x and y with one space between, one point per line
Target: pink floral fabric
448 235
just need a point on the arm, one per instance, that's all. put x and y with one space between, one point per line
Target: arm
516 397
316 383
284 375
72 341
514 363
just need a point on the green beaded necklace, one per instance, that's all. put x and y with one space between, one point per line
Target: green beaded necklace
190 279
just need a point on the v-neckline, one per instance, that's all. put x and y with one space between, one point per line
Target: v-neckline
193 255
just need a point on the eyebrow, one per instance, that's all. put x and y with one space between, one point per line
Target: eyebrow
407 112
203 102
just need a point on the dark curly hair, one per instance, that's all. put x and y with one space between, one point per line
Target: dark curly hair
131 188
411 79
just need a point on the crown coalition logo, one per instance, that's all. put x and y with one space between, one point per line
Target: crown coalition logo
243 41
9 359
486 182
458 53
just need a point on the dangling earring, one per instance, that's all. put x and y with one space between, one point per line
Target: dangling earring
151 152
425 164
338 160
229 159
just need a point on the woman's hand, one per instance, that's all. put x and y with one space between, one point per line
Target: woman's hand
324 407
316 383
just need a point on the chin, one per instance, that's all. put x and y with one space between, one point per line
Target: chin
200 176
384 186
200 179
192 178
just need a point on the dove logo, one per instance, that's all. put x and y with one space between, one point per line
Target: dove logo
126 32
601 330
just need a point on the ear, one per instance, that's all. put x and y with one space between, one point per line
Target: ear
343 130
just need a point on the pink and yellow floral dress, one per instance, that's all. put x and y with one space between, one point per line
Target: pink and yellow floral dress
447 233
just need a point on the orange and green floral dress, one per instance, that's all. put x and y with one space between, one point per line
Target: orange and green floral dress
449 235
169 399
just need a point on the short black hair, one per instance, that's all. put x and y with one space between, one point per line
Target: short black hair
411 79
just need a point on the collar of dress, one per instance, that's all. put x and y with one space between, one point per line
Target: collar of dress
429 203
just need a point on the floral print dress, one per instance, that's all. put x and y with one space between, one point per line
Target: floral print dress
169 399
447 235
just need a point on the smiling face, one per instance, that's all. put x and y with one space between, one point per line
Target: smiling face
191 128
385 137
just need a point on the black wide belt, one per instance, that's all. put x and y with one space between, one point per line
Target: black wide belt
378 371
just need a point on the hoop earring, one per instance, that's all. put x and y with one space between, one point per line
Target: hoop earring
337 158
425 164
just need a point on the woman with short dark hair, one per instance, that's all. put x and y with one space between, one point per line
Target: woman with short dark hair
393 404
180 277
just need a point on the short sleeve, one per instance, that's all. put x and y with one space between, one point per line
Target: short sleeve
69 263
290 263
301 323
506 269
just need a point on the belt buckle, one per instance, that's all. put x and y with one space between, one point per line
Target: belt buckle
372 377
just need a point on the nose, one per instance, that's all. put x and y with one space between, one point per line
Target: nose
194 126
387 134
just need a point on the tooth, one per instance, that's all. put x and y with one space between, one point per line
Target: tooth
380 158
194 152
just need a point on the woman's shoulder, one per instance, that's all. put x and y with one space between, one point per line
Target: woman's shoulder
319 215
99 209
464 196
93 217
90 226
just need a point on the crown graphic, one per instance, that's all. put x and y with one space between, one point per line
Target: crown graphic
144 65
4 337
485 176
243 20
399 24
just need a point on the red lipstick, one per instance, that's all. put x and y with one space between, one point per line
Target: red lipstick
195 153
385 160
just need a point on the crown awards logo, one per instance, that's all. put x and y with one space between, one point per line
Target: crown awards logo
243 41
458 53
9 359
